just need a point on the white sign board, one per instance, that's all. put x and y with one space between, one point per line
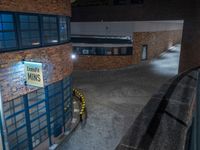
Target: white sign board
33 73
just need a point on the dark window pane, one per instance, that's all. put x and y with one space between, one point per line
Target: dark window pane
46 26
52 19
129 50
123 51
2 45
109 51
7 18
54 26
24 26
1 26
50 34
34 26
9 35
30 33
25 34
35 34
33 18
54 33
10 44
35 41
63 29
7 32
100 51
26 42
31 42
1 36
8 26
23 18
115 51
45 19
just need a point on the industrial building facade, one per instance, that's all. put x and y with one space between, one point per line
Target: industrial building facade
97 18
117 44
37 34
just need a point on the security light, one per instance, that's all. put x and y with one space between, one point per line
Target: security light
73 56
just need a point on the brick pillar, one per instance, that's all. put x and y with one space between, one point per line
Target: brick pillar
190 49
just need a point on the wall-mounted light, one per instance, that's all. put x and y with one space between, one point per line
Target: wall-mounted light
73 56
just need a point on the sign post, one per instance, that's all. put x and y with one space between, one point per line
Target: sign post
33 73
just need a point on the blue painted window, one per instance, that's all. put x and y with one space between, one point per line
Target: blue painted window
55 108
50 30
103 50
67 94
26 117
7 32
29 31
38 118
16 124
63 29
24 30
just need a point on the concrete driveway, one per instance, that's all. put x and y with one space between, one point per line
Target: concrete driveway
115 98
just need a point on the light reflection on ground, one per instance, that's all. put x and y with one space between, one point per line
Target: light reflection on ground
162 65
115 98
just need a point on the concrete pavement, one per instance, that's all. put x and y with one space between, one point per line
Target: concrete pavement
115 98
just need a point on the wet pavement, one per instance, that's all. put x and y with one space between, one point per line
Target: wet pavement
115 98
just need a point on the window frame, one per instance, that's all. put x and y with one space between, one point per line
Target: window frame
19 30
78 50
68 28
40 126
13 31
42 30
16 23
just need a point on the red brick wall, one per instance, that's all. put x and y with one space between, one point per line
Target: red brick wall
102 62
190 48
157 42
55 59
59 7
56 62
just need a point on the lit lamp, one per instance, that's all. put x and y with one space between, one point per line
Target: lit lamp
73 56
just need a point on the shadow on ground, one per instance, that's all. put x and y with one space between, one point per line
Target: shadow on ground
115 98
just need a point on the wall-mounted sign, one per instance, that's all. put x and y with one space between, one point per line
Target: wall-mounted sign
33 73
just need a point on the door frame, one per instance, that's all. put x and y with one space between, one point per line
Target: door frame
144 45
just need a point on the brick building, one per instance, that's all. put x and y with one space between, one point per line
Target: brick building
148 40
148 10
34 33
